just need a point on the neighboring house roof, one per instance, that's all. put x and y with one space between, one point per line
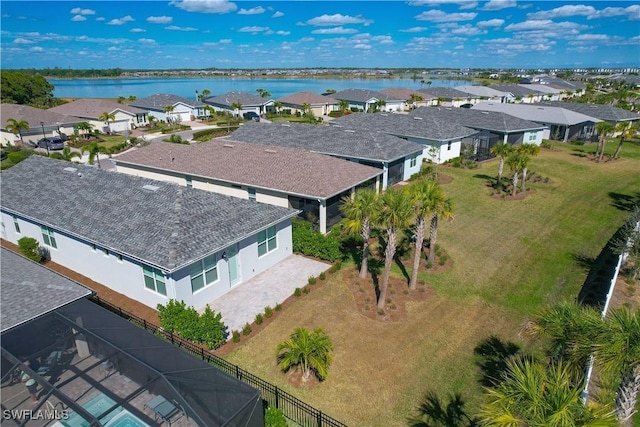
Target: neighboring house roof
33 116
565 85
549 114
515 90
290 170
542 88
404 125
244 98
357 144
311 98
93 108
600 111
482 91
160 100
444 92
476 119
404 94
30 290
363 95
161 224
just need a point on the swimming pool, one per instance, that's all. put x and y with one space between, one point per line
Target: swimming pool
96 406
126 419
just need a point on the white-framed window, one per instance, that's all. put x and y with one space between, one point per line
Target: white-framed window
413 162
189 181
154 280
204 272
49 237
16 225
449 145
532 136
252 193
267 241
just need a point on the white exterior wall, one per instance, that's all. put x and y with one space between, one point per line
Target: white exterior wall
535 137
408 170
7 138
444 152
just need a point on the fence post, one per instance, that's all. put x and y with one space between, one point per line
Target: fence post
319 418
145 324
171 337
277 398
202 353
237 371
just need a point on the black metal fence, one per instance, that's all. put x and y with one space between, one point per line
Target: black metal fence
292 407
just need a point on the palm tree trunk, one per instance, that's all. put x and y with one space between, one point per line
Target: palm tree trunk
500 169
433 232
618 148
417 252
366 231
627 397
524 178
389 253
515 184
601 154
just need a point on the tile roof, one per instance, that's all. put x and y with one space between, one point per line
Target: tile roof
33 115
30 290
444 92
166 225
548 114
244 98
404 94
404 125
362 95
312 98
290 170
334 141
600 111
476 119
93 108
161 100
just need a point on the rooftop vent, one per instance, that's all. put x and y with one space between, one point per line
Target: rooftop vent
149 187
70 169
350 130
228 146
286 125
270 151
417 118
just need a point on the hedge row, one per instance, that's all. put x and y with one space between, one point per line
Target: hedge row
312 243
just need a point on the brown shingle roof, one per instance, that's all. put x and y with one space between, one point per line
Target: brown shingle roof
32 115
312 98
290 170
403 93
93 108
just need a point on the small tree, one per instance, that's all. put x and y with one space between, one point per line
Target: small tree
30 248
16 127
237 106
308 350
107 118
94 150
502 150
603 129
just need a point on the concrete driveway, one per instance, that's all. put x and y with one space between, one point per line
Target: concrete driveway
241 304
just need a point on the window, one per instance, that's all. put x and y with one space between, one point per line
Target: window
532 136
189 181
106 251
449 145
252 193
154 280
48 237
267 241
93 247
413 162
16 225
119 256
203 273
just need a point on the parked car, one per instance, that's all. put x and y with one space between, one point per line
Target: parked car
250 115
51 142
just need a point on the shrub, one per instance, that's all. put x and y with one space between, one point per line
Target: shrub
278 307
258 319
206 135
428 265
268 312
235 336
246 329
335 267
312 280
443 260
206 328
306 289
274 417
16 157
297 292
30 248
322 276
313 243
211 329
545 143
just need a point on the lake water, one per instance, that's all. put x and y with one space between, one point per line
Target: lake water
187 87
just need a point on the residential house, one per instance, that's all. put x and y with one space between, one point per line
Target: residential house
369 100
320 105
405 95
482 93
92 367
238 103
149 240
290 177
171 108
398 158
560 123
493 127
90 110
41 123
448 97
604 112
549 93
519 93
441 140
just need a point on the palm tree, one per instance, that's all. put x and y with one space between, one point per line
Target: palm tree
532 394
413 98
502 150
278 106
377 106
309 350
132 98
527 150
440 100
263 93
204 94
84 126
627 131
395 214
94 150
517 163
428 83
343 105
442 208
237 106
168 110
66 154
107 118
306 108
424 194
603 129
16 127
359 212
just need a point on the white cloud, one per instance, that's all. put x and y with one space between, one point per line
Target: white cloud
336 30
112 49
160 19
546 26
307 39
176 28
383 39
146 41
414 30
440 16
253 30
467 30
121 21
490 23
102 18
78 18
592 37
459 47
138 30
563 12
277 15
20 40
464 4
337 19
225 41
205 6
253 11
362 46
36 49
499 4
80 11
283 33
631 12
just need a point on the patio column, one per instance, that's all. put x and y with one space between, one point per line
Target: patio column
377 184
323 216
566 134
506 138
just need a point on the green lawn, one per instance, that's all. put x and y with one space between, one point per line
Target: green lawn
509 258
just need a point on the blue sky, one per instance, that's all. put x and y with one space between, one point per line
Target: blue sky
308 34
